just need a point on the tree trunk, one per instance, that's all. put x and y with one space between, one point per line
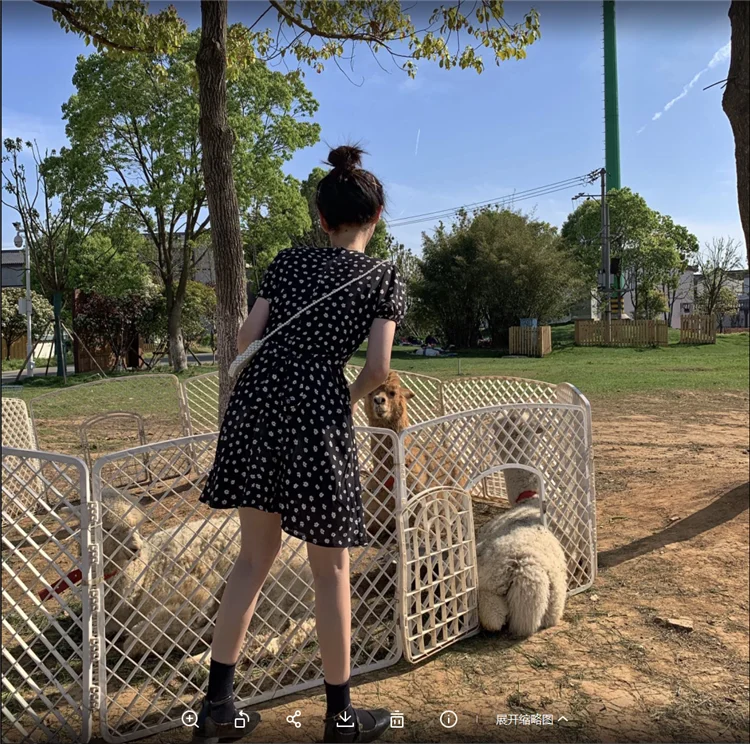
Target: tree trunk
217 141
736 105
59 342
177 355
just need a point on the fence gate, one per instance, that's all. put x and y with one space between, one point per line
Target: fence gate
438 576
49 641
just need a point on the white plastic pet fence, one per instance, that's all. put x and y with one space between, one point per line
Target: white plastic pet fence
109 600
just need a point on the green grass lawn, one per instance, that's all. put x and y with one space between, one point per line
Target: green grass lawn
603 371
595 371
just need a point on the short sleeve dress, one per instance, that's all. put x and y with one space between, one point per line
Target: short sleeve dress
287 442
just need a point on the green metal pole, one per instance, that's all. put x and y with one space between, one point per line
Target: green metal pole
611 117
611 108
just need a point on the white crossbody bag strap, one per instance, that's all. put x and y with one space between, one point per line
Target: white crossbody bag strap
254 347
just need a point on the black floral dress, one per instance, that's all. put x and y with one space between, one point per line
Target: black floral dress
287 442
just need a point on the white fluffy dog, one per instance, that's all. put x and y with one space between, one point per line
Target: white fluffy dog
522 569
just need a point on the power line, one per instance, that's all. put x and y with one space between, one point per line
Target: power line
550 188
527 193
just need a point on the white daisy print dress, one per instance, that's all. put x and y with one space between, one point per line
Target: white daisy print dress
287 442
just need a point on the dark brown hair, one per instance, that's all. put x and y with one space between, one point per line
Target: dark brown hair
348 194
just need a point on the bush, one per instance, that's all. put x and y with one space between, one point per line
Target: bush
14 324
491 269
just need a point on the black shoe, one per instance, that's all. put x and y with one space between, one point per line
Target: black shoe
347 726
212 732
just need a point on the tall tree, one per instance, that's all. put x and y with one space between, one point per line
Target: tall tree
453 281
649 245
319 32
674 286
139 115
491 269
736 105
715 263
59 206
314 235
109 262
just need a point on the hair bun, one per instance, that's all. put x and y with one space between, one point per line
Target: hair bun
346 157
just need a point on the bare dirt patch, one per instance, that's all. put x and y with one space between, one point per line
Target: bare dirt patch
672 493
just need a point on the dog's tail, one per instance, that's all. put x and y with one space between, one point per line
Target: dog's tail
528 598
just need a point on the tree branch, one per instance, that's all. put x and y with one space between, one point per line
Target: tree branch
67 13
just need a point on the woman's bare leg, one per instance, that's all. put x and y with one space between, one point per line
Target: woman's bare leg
261 541
333 610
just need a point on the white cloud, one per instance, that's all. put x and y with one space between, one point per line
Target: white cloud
721 55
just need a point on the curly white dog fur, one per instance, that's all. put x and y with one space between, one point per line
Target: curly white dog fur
522 571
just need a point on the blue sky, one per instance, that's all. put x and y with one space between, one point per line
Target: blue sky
451 138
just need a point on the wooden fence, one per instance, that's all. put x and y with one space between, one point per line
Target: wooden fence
632 333
697 329
527 341
17 349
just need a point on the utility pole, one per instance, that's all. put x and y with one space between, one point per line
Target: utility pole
604 276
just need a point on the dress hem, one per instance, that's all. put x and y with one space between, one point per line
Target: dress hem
293 533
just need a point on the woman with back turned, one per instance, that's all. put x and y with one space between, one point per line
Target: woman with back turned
286 456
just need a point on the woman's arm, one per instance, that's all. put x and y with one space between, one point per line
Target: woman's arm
378 361
254 325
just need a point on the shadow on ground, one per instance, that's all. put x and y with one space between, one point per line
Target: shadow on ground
722 510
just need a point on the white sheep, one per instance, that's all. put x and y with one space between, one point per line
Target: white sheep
163 589
521 567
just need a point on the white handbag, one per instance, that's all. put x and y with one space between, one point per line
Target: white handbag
244 358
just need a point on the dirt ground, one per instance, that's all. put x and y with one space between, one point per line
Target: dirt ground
672 501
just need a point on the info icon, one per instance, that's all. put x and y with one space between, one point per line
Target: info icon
448 719
397 719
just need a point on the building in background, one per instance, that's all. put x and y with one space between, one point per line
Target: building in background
13 268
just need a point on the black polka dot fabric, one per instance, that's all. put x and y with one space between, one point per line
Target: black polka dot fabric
287 440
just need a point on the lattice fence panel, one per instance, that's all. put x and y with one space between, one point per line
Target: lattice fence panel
471 393
165 561
22 492
202 399
47 626
439 571
568 394
58 417
459 450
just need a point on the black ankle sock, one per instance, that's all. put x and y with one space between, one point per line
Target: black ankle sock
338 700
220 690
